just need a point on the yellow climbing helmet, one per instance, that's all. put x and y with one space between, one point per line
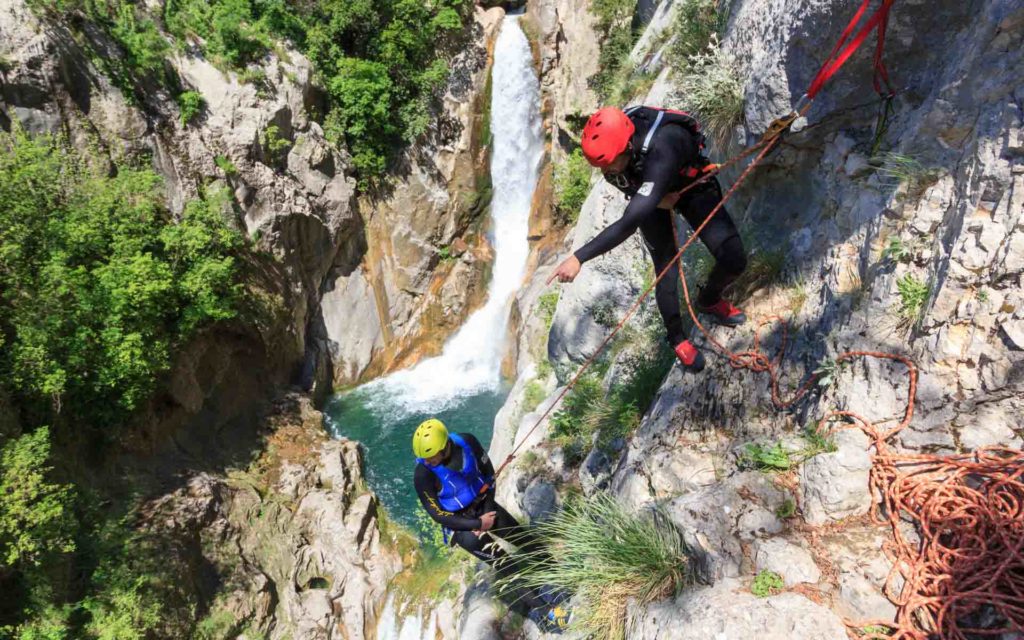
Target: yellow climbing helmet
429 438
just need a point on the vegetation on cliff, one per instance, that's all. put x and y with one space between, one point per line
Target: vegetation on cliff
382 62
100 284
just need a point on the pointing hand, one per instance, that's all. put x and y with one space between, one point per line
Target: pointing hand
567 271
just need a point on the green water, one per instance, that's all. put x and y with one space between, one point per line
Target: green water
386 435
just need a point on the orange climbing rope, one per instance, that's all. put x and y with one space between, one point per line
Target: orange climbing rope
965 557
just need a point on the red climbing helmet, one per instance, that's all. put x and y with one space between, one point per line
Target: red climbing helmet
606 135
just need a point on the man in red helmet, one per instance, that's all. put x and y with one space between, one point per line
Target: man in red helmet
650 155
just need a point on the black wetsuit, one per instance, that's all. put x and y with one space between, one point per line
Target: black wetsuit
463 523
672 150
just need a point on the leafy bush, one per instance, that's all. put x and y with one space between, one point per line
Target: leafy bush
614 18
764 267
828 372
787 509
98 283
695 23
382 61
36 516
587 412
275 146
774 458
190 103
897 250
547 304
778 458
572 184
606 557
767 583
903 169
711 87
533 395
225 165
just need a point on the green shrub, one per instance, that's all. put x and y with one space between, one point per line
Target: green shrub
606 557
897 169
614 26
275 146
828 372
572 185
225 165
778 458
764 267
547 304
444 253
588 412
897 250
98 283
36 516
711 87
913 295
383 62
695 23
774 458
533 395
767 583
190 103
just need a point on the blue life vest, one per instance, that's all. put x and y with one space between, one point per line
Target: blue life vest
459 488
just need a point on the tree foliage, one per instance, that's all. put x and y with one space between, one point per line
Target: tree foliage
99 283
35 513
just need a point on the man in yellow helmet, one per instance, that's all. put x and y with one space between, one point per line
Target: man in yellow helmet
454 480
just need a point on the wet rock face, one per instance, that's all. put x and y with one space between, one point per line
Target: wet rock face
293 542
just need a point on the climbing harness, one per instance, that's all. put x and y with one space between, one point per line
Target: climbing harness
967 510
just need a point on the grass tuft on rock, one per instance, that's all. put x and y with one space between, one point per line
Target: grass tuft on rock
606 557
711 87
913 295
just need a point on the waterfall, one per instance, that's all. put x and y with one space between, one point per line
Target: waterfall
410 627
463 384
471 359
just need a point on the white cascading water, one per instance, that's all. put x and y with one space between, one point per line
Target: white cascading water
471 360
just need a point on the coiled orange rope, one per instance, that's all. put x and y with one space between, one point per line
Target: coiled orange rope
965 557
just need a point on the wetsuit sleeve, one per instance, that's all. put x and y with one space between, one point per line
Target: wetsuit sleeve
671 151
426 490
486 466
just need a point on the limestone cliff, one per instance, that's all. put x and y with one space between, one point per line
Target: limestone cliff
347 284
289 547
844 230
